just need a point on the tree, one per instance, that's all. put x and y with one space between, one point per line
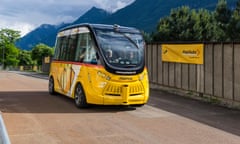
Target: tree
40 51
179 26
147 37
234 24
183 19
204 26
184 24
163 30
238 6
25 58
8 50
11 55
222 15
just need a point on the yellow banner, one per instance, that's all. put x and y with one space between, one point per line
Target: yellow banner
183 53
47 59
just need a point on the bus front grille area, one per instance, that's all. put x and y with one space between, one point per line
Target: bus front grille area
135 89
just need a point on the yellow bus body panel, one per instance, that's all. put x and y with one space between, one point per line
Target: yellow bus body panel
100 86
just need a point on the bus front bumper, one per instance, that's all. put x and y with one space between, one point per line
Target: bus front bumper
131 100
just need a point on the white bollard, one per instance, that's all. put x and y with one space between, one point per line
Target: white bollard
4 139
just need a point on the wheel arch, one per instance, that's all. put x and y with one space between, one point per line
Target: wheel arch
79 82
83 103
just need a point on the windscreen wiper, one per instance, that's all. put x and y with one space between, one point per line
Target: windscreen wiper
132 41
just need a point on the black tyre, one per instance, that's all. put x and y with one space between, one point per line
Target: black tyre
51 86
79 97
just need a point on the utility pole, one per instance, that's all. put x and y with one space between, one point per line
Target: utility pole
3 58
1 46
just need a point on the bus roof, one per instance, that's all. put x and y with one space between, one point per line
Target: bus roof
103 26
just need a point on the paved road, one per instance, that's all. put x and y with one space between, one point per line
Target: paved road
32 116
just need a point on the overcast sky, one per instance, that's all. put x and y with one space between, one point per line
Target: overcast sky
26 15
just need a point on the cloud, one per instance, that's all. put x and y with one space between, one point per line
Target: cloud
111 6
24 28
39 11
25 15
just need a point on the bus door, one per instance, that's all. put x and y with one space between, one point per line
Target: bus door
64 77
68 73
65 72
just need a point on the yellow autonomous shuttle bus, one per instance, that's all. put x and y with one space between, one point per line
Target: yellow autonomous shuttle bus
100 64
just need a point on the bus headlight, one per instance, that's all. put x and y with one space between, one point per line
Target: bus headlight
102 84
108 78
141 77
103 75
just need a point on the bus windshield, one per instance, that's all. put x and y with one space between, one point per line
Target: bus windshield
121 49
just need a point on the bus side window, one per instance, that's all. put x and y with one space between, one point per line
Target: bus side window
72 47
60 48
90 56
79 55
85 51
63 49
82 54
57 48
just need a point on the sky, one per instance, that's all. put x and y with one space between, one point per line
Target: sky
26 15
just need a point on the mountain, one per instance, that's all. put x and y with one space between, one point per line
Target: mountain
145 14
142 14
46 33
94 15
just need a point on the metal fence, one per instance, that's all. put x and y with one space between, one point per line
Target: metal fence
219 76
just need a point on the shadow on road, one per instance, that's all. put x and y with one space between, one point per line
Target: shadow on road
213 115
43 102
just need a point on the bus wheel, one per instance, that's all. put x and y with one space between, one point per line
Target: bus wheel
80 99
51 86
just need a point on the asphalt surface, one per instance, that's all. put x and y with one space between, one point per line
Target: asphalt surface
31 116
214 115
